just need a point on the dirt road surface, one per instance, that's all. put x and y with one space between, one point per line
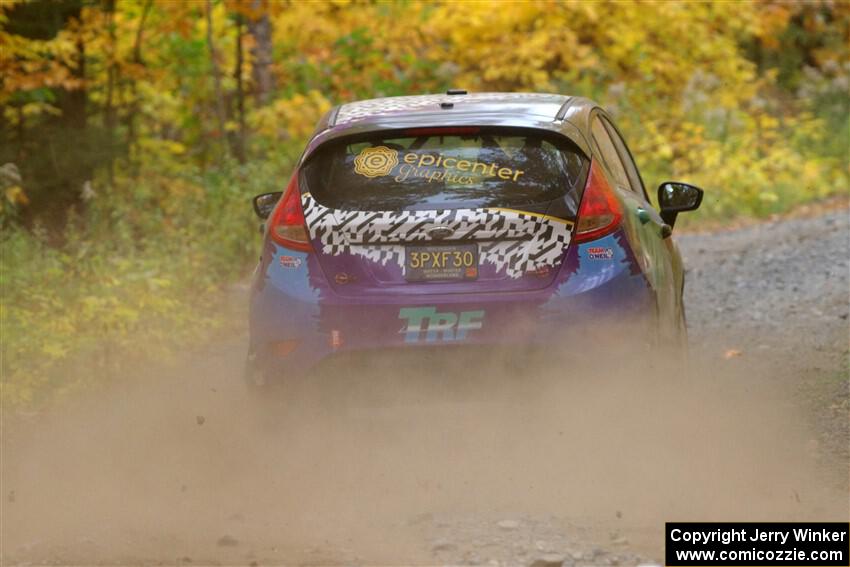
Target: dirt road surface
404 461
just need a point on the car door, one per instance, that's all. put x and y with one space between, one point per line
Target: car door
651 244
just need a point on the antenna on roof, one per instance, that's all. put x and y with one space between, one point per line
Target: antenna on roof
456 92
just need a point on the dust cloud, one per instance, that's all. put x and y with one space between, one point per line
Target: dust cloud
378 459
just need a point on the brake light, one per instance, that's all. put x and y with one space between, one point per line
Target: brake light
600 212
287 226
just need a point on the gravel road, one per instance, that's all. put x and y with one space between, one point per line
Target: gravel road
781 284
777 296
390 463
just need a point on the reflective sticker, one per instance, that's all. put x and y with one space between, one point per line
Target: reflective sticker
290 261
600 253
336 339
500 234
426 324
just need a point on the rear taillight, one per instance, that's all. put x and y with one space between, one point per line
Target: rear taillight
600 212
287 226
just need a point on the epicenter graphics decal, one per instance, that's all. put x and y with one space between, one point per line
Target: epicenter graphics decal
376 161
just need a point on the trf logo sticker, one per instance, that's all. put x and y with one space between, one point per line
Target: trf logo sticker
426 324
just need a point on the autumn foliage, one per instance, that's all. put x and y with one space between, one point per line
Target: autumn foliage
134 132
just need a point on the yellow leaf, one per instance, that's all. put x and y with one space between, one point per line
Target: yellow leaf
54 350
16 195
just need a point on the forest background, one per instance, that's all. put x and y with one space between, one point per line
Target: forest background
133 134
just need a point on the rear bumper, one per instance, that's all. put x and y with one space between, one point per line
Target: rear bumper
297 320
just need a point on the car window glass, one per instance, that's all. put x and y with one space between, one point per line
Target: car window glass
626 159
441 169
609 153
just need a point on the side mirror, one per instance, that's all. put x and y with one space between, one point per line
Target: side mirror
675 197
264 204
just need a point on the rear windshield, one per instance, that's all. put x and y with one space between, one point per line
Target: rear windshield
447 169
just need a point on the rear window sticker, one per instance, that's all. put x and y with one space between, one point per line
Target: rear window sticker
290 261
600 253
379 161
375 161
373 235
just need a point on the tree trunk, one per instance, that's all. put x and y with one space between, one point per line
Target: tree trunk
239 146
130 120
111 73
220 108
78 161
22 128
261 70
73 101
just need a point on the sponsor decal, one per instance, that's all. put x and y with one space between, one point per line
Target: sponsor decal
374 234
377 161
290 261
600 253
381 160
426 324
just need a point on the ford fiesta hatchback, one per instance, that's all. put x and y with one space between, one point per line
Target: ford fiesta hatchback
463 219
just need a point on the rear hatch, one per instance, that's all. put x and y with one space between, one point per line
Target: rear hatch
442 210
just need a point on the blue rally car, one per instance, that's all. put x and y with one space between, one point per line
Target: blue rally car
463 219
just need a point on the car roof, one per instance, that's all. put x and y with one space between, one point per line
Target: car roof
566 115
538 104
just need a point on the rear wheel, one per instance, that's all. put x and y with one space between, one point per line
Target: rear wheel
269 385
256 381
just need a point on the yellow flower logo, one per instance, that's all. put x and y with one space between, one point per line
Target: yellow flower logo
373 162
